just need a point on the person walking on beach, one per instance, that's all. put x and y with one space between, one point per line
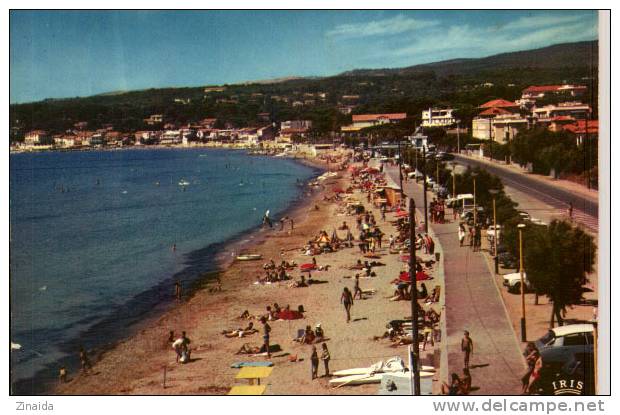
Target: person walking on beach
570 211
467 346
62 375
84 361
314 360
356 288
325 356
461 234
177 290
347 300
266 331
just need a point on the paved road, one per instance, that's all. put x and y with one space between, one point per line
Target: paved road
585 210
474 303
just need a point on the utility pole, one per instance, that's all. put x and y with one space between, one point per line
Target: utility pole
521 270
424 187
400 170
458 137
415 349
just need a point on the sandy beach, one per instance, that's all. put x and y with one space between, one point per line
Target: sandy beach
137 364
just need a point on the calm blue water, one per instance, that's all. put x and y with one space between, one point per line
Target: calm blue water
91 237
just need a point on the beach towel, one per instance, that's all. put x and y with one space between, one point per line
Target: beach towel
289 315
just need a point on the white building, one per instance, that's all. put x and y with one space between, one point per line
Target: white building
506 127
370 120
37 137
296 125
170 137
576 110
436 117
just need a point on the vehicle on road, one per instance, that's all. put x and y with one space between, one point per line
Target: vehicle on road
443 156
525 216
513 282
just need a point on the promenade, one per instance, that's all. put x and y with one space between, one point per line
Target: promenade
474 303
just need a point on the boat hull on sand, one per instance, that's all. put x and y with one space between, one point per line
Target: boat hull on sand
249 257
372 378
366 371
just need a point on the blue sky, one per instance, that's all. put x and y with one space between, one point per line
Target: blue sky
56 54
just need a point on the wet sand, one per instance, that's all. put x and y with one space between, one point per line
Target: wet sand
137 365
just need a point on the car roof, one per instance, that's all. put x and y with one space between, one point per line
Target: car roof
515 275
572 329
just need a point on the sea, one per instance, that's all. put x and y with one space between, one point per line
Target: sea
98 238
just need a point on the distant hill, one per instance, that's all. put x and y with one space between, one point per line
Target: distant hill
460 83
565 55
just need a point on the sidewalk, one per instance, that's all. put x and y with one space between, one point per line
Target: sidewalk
473 303
569 186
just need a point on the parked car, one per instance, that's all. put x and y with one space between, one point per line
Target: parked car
508 260
513 282
492 231
567 373
524 216
566 348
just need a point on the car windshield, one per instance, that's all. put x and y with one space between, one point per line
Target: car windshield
547 338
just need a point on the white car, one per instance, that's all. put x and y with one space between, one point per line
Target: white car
491 231
513 282
565 336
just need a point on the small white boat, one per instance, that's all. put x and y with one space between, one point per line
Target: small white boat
372 378
394 364
249 257
365 371
184 183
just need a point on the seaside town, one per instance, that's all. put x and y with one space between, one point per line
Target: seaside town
441 236
354 248
498 121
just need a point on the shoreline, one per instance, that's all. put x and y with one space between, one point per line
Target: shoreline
257 238
220 255
137 365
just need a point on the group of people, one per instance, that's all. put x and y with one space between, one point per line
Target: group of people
437 209
474 234
275 273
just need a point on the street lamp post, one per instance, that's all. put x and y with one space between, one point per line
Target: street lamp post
458 137
473 175
400 170
415 349
424 187
494 192
523 326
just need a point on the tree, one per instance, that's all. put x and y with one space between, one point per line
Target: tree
557 260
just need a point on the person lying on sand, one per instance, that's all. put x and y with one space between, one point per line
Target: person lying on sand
240 332
248 349
246 316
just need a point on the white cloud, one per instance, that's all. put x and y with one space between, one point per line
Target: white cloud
467 41
392 26
536 22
